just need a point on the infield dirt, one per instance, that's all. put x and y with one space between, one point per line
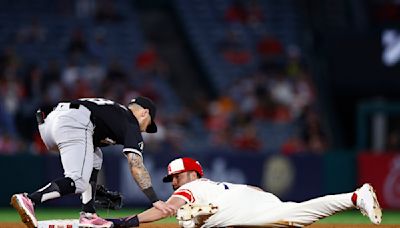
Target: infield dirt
169 225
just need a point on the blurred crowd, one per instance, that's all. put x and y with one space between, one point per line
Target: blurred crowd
279 91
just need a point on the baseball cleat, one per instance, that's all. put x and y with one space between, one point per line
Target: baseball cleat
368 203
190 211
92 220
25 209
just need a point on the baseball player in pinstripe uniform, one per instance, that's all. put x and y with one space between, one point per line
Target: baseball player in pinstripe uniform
77 130
201 202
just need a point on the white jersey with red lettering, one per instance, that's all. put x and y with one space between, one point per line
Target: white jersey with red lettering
245 205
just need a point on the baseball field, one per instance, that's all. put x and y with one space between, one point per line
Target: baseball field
10 219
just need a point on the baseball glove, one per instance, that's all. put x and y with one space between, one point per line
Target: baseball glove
108 199
194 215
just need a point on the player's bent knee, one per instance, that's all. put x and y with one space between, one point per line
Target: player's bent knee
80 185
65 186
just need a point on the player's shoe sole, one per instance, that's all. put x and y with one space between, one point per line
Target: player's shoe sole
26 217
374 214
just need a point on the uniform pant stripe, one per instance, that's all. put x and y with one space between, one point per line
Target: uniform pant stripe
84 158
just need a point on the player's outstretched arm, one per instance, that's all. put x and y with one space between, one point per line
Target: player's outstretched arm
142 178
154 214
150 215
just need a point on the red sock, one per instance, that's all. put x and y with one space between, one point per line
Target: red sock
354 199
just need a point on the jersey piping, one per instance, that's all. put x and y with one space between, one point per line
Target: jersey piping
131 150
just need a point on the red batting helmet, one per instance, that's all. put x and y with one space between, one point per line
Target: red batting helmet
181 165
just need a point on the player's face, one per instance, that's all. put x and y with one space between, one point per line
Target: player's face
180 179
144 121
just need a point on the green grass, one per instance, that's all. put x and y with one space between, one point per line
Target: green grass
355 217
348 217
10 215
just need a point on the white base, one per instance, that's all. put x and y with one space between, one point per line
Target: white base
60 223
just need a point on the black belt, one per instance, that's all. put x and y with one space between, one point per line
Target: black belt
41 116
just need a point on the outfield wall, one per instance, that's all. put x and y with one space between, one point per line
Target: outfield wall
292 178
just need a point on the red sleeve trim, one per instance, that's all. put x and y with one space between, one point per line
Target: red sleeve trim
185 193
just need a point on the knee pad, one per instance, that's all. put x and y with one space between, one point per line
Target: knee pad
64 185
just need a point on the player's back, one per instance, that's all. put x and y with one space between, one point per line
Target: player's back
205 191
237 203
111 120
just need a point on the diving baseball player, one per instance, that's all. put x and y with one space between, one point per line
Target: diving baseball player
77 129
205 203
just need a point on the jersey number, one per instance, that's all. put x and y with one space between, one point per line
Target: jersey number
98 101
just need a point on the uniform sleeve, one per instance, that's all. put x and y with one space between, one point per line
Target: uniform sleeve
133 141
188 192
184 194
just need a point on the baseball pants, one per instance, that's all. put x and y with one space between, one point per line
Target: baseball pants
70 131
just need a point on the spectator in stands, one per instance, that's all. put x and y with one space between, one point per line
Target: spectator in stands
282 94
8 145
8 58
294 65
218 122
7 124
265 108
268 47
233 50
83 88
293 145
244 12
314 137
34 84
148 60
236 12
218 117
246 138
148 89
304 94
11 89
254 14
70 75
94 73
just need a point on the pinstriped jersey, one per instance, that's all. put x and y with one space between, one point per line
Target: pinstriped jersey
114 124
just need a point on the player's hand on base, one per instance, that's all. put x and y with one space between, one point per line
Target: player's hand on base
165 208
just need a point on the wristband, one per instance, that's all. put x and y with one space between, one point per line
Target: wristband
149 192
131 221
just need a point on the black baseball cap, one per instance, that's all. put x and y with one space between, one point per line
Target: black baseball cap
147 104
